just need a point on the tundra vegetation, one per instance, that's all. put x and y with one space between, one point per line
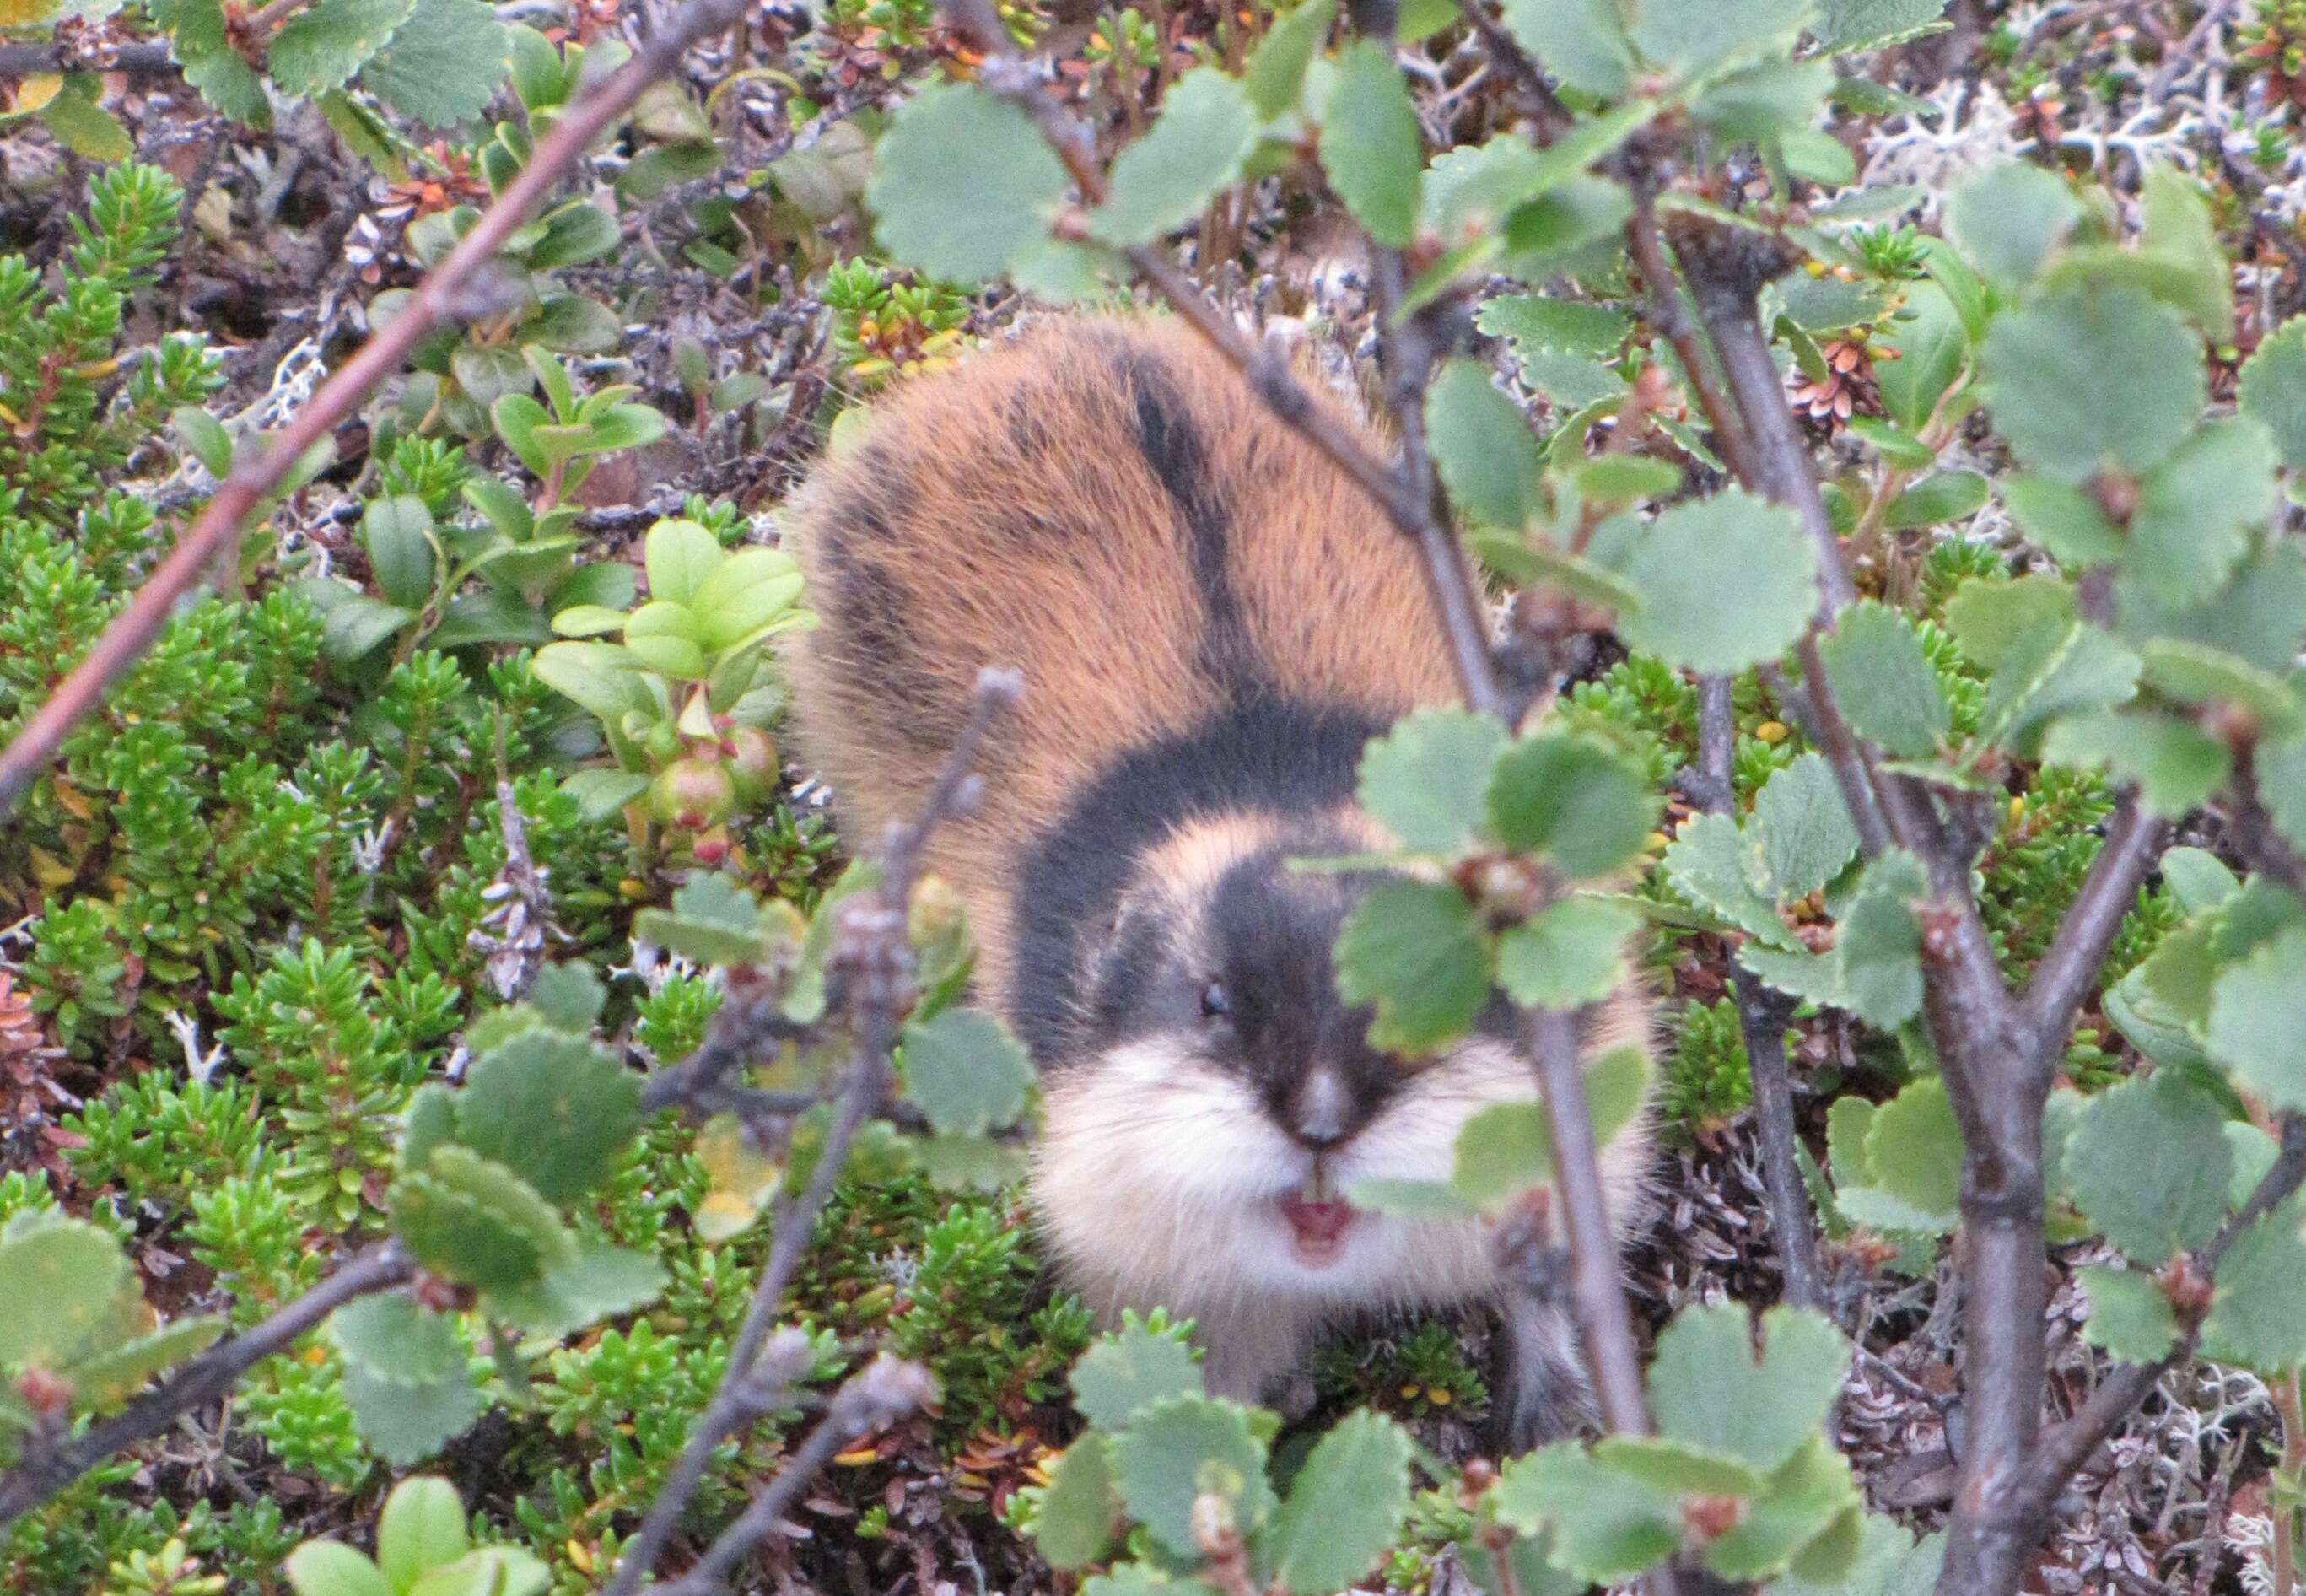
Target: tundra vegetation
470 1127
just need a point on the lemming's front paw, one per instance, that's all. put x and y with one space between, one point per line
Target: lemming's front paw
1541 1392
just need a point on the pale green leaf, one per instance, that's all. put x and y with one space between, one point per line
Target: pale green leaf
2008 216
1845 27
1913 1150
61 1277
962 183
2129 1316
1608 1525
2190 527
422 1527
1195 149
559 1110
1800 835
1941 496
332 1568
2273 389
77 121
1582 42
1698 35
2257 1022
600 1282
1932 344
2065 519
2148 1164
1275 72
1425 780
1706 863
2051 363
1537 322
965 1072
1371 144
1345 1505
1073 1525
398 1341
1414 950
1708 1388
2257 1310
1181 1448
321 47
405 1424
1808 1497
443 63
1726 583
1885 683
1482 447
2175 764
1571 953
1572 799
1502 1151
1131 1369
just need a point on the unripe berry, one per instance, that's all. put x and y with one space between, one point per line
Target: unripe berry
693 793
752 762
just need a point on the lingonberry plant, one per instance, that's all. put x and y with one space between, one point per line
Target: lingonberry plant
1866 525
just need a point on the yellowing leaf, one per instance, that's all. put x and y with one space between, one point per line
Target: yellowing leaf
40 89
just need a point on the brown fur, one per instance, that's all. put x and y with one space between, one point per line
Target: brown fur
1076 569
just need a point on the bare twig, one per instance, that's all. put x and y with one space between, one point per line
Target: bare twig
1761 1017
883 1390
871 967
1669 317
436 299
2063 979
2265 848
46 1470
29 58
1603 1320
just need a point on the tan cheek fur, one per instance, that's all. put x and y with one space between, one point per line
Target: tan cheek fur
1157 1177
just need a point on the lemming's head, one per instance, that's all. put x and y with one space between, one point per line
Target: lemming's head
1215 1096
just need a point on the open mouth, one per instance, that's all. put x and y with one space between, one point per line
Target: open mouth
1317 1218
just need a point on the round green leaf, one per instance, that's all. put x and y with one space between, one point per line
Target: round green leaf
1726 584
1414 950
1425 779
2091 376
557 1110
1572 799
965 1072
963 184
421 1528
1344 1508
2273 389
1184 1447
1482 444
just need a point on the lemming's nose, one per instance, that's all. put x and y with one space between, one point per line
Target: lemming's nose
1322 1111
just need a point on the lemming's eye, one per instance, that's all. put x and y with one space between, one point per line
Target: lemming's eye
1216 1000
